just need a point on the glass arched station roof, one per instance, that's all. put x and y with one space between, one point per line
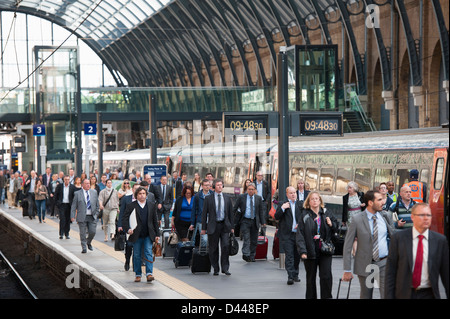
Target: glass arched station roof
196 42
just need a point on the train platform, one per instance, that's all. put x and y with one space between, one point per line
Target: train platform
263 279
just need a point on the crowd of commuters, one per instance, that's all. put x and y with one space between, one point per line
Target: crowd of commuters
385 231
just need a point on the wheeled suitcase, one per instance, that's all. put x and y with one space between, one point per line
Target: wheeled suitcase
339 288
167 250
200 259
276 246
262 247
183 253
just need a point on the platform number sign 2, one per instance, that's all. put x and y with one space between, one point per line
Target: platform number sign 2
90 129
39 130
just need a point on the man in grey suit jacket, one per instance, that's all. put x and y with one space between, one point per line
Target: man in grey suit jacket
370 257
85 211
402 261
250 219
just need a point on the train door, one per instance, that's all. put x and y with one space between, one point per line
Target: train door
439 196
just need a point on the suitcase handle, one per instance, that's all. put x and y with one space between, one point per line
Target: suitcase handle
339 288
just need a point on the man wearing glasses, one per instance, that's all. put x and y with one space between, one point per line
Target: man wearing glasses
417 257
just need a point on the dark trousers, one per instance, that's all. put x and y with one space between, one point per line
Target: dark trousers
31 205
326 278
166 213
249 233
64 220
292 257
222 237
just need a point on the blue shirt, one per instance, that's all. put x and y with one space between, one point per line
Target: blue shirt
383 249
186 209
248 211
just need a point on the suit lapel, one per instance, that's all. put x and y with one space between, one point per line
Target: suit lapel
409 247
432 247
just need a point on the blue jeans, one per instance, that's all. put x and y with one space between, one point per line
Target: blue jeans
137 262
40 206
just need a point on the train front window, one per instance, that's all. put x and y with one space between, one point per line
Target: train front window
327 180
344 176
312 176
438 178
382 176
362 178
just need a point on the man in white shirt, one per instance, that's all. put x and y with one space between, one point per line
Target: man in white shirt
417 257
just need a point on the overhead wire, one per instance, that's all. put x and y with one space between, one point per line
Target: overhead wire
50 55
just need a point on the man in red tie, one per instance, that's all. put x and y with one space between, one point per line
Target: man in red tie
417 257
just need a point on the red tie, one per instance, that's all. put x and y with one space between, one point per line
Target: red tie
417 274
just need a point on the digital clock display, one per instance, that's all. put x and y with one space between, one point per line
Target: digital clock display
246 124
321 124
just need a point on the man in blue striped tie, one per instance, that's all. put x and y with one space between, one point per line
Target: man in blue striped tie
85 210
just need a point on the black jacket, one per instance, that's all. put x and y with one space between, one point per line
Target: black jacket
209 214
286 219
307 229
152 220
345 205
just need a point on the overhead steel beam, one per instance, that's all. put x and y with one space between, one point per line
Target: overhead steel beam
443 35
253 42
360 74
239 45
208 11
414 62
300 21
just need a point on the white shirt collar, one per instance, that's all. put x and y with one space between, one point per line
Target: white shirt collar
415 233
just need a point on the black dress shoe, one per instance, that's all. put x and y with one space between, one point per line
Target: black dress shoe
83 251
227 273
216 273
127 265
290 281
90 247
246 258
297 279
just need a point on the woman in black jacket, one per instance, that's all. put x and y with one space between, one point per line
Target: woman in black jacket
315 229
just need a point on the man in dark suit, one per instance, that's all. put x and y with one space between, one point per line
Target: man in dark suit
63 199
179 185
288 215
145 232
217 220
417 257
166 201
250 213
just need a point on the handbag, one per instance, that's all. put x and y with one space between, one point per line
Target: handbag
234 245
119 241
157 250
326 247
173 237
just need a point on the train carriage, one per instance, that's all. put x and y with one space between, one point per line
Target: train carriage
326 164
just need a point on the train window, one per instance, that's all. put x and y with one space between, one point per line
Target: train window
312 175
326 183
402 178
220 172
362 178
382 176
229 176
344 176
439 174
275 170
296 174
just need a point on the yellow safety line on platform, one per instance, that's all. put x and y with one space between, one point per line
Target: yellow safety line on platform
169 281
